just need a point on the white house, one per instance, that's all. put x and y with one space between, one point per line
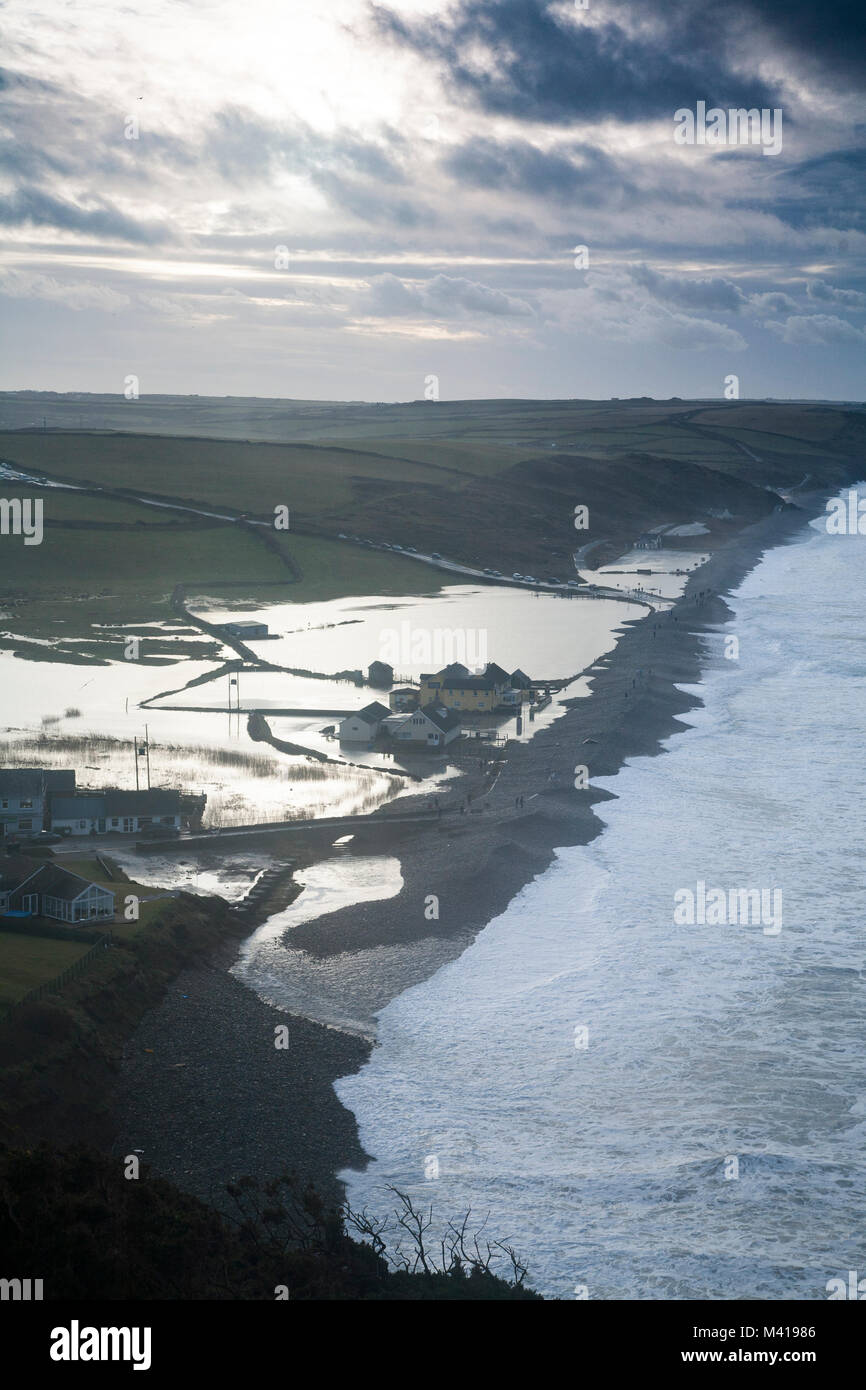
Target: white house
363 726
432 727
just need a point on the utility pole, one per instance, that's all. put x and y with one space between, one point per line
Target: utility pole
147 750
135 746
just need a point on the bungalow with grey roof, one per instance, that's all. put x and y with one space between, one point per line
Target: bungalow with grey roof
28 888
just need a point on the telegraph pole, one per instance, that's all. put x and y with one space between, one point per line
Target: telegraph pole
147 750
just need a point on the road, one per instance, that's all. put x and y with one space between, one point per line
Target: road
13 474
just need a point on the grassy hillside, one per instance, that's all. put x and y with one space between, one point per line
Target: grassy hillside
487 483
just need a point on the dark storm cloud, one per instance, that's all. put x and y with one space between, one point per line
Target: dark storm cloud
828 36
828 190
539 66
367 201
32 207
714 293
519 166
829 294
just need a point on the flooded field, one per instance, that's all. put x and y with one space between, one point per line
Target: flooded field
57 713
670 568
546 635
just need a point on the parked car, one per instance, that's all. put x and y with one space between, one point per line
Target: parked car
396 547
41 837
574 583
496 573
435 555
515 575
411 549
530 579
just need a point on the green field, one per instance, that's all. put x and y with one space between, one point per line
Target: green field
486 483
332 569
251 478
146 562
65 507
28 961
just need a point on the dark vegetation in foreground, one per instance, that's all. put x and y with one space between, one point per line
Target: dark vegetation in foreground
72 1218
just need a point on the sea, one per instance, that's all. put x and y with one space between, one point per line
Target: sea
646 1107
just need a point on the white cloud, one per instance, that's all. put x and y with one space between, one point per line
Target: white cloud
816 330
444 296
81 294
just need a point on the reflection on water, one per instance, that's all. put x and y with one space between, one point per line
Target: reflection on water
668 577
545 635
226 873
196 745
300 983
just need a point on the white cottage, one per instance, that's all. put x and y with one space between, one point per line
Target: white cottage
363 726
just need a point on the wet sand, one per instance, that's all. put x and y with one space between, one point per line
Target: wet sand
215 1099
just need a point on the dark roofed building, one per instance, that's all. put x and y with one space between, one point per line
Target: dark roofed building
21 781
496 674
243 629
78 814
434 726
364 725
14 869
119 811
148 804
380 675
403 699
60 781
444 719
25 793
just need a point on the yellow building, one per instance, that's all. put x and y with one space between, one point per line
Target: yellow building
457 689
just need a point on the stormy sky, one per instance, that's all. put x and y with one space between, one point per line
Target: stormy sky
331 199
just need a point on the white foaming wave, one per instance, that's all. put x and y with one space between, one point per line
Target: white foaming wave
605 1164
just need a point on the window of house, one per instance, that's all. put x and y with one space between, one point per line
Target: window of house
82 825
115 821
25 825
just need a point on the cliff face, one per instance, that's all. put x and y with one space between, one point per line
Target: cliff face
58 1056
